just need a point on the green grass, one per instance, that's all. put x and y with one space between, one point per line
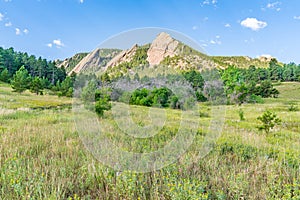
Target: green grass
27 100
42 156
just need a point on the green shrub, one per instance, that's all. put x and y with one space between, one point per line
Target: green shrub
241 115
293 108
268 120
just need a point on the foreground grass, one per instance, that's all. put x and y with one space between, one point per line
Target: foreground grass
42 156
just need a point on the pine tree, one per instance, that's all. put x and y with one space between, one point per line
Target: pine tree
36 86
21 80
4 76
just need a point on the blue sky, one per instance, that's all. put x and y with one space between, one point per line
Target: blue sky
60 28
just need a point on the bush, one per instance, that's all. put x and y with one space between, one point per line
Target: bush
88 92
102 105
255 99
241 115
269 120
293 108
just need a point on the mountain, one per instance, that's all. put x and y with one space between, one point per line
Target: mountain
241 61
124 56
88 62
162 46
70 63
163 50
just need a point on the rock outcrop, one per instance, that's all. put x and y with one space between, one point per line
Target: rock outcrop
70 63
265 58
95 60
92 59
163 45
124 56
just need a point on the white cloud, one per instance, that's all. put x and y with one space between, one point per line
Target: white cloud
209 2
195 27
8 24
297 17
206 2
1 16
80 1
274 6
7 0
216 40
58 42
26 31
253 24
227 25
18 31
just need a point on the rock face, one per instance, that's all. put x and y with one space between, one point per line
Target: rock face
124 56
95 60
70 63
265 58
92 59
163 45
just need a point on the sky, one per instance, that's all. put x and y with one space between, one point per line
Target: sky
57 29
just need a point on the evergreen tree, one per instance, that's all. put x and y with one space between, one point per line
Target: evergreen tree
4 76
21 80
88 92
36 86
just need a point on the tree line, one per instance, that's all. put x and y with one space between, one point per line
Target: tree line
239 85
36 74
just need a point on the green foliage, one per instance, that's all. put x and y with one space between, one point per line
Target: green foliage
158 97
73 61
66 87
125 97
195 78
268 120
21 80
266 89
88 92
140 56
36 86
241 115
239 61
243 152
171 61
139 59
4 76
242 84
12 61
200 96
255 99
102 104
293 108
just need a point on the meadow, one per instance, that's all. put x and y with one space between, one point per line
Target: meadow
42 155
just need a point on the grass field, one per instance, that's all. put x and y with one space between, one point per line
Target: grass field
42 156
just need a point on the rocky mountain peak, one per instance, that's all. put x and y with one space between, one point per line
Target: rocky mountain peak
95 60
124 56
162 46
92 58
